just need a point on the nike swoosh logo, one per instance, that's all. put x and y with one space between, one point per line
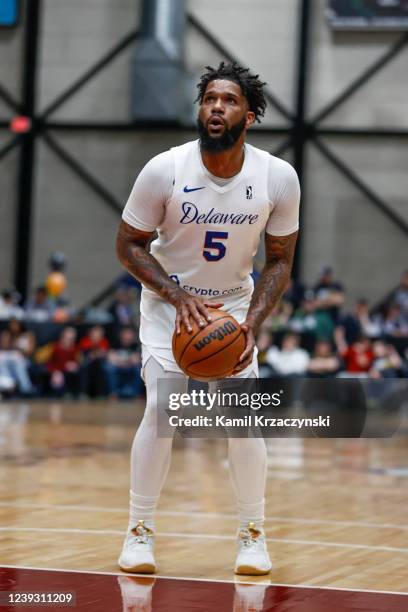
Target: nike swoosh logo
187 190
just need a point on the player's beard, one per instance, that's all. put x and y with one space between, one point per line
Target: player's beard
221 143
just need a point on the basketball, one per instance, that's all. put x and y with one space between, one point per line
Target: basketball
210 352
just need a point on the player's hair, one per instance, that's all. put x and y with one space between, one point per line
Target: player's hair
251 86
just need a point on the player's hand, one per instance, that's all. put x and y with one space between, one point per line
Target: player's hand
246 358
189 306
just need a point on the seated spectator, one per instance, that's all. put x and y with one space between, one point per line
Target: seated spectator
9 306
324 363
279 316
290 360
329 293
14 367
358 357
123 367
94 348
63 365
121 309
387 363
294 294
310 317
21 339
359 322
63 311
394 323
39 307
400 296
264 342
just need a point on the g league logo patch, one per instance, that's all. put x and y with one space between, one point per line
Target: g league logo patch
249 192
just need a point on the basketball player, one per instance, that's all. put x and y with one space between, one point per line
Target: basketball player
209 201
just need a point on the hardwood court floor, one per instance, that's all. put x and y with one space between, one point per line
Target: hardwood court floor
336 509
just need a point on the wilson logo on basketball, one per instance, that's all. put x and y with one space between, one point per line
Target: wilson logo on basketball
218 334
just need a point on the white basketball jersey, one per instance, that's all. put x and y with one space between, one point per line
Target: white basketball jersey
206 241
210 233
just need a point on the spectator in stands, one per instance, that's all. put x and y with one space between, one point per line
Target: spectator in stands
358 358
324 363
400 296
63 311
123 366
294 294
329 293
94 348
310 317
359 322
264 342
63 365
25 342
290 359
279 317
394 323
387 362
21 339
9 306
39 307
121 309
14 367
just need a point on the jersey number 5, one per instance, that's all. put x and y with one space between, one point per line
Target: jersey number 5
212 241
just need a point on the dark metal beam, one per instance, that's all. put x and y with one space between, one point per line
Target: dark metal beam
362 79
371 195
361 132
27 151
137 126
89 74
115 126
300 128
231 58
8 99
84 174
9 146
283 147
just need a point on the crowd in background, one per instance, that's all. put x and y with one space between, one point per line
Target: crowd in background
49 350
311 333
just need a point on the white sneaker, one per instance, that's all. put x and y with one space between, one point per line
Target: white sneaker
252 557
137 553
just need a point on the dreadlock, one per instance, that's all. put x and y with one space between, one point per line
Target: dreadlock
251 86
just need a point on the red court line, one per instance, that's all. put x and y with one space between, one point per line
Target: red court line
110 593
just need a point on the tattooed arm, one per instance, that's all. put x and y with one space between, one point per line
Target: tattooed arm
132 248
279 251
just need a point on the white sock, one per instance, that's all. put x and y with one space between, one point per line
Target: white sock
251 513
142 508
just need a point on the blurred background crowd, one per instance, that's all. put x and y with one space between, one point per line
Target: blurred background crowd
48 348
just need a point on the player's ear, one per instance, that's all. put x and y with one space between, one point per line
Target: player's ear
250 119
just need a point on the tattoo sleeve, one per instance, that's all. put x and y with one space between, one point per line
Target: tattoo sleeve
132 250
279 251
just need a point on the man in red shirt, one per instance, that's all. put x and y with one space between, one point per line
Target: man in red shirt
94 348
359 356
63 364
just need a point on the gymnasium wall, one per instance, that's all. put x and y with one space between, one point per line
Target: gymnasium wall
340 225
